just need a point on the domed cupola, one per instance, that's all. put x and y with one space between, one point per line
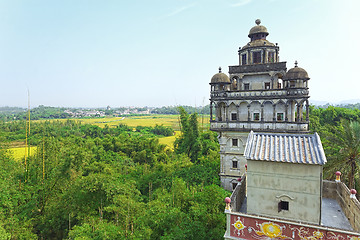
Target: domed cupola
258 32
220 78
296 77
258 50
220 82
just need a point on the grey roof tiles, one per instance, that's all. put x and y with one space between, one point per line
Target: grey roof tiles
290 148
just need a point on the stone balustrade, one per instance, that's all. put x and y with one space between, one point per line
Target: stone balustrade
269 93
259 126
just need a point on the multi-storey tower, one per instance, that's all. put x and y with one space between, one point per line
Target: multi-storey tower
260 95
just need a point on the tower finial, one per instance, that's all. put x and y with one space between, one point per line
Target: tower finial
258 21
219 69
296 63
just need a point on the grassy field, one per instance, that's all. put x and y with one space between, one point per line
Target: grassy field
132 121
169 141
19 152
150 121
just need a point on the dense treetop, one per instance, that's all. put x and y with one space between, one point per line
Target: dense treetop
87 182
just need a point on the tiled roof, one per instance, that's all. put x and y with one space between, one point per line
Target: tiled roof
291 148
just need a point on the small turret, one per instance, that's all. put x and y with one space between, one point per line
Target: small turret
220 82
296 77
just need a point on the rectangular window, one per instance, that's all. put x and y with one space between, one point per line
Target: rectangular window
283 205
246 86
234 142
292 84
256 116
243 59
233 116
257 57
234 164
280 116
267 85
271 57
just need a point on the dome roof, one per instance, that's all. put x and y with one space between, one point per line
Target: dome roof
296 73
259 43
220 78
258 29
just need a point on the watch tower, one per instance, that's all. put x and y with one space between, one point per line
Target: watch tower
260 95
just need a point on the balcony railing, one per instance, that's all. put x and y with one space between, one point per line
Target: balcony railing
260 93
260 125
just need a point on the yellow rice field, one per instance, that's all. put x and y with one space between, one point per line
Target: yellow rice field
132 121
169 141
19 152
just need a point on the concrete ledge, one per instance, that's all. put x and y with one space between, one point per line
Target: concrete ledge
341 193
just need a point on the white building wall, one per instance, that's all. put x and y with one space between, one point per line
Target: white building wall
268 183
230 153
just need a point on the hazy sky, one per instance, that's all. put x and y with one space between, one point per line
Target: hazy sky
87 53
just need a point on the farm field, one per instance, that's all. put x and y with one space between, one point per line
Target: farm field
150 121
133 121
169 141
19 152
18 149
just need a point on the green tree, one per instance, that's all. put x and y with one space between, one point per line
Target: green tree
189 141
346 141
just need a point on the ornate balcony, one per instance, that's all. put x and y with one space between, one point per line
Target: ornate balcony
246 126
252 94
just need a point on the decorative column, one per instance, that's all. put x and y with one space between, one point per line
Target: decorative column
228 216
307 110
286 112
240 79
272 85
222 164
237 112
248 112
353 194
216 113
274 113
211 109
298 112
262 112
227 113
338 174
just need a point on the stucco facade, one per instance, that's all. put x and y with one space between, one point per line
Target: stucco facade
232 160
297 184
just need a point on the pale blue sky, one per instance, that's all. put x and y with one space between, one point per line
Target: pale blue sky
86 53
